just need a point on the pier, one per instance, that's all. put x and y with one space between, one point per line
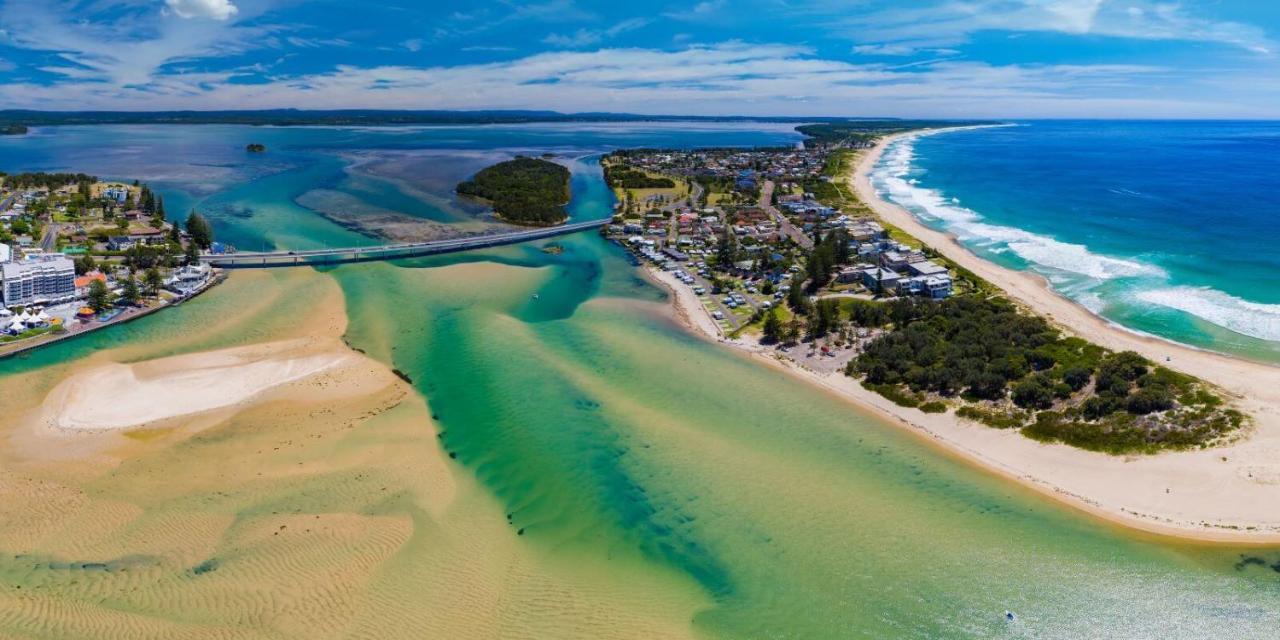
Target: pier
312 257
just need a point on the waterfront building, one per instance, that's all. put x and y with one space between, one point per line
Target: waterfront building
49 279
6 253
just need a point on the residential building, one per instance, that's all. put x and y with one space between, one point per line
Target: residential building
49 279
887 279
926 268
6 253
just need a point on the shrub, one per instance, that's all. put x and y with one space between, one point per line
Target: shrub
1077 377
934 407
1034 392
1149 400
895 394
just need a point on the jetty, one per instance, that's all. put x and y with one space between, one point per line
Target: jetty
312 257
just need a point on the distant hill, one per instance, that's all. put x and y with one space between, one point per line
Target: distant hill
366 117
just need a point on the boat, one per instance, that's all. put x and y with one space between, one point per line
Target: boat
1009 617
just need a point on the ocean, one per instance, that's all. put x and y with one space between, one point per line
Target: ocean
634 463
1167 228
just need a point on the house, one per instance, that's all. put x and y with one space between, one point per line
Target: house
926 268
877 278
937 287
83 282
120 243
117 194
148 236
893 260
849 275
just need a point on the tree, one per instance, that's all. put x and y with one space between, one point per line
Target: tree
200 230
154 281
773 329
192 253
727 249
85 264
100 298
1035 392
129 293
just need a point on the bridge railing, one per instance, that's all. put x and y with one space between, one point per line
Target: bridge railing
308 257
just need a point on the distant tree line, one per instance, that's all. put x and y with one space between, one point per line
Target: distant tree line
50 181
524 190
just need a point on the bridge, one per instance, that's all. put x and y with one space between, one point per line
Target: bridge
313 257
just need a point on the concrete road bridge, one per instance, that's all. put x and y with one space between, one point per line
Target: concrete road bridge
313 257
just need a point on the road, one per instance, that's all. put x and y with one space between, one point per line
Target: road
766 202
49 241
265 259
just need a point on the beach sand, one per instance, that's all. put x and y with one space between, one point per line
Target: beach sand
1223 494
269 481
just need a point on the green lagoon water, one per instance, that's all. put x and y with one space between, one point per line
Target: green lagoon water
614 438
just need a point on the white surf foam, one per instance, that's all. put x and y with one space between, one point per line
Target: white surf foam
1050 255
1225 310
967 225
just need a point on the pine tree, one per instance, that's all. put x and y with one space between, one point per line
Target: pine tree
129 290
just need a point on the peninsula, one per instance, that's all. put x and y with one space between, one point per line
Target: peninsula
784 254
525 191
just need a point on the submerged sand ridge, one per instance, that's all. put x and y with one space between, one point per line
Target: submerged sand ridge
118 396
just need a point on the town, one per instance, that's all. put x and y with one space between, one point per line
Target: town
763 237
78 253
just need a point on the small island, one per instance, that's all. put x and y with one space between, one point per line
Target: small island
13 129
525 191
255 147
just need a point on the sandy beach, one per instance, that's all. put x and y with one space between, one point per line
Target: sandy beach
1224 494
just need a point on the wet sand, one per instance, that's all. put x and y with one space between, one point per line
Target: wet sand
318 504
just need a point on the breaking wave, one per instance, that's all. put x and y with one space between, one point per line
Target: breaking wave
1085 268
1241 316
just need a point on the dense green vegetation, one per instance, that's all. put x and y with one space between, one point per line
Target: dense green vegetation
200 230
860 133
1012 370
41 180
623 177
524 191
12 129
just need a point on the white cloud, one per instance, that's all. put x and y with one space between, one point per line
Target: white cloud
952 22
586 37
729 78
214 9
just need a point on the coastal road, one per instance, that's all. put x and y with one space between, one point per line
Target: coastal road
269 259
766 202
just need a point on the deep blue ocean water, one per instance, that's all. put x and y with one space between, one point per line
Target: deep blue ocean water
1169 228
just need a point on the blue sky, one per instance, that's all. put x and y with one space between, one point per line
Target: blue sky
933 58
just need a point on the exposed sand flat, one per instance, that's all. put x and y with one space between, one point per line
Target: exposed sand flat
311 500
1228 493
117 396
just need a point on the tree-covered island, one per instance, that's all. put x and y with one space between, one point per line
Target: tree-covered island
526 191
13 129
255 147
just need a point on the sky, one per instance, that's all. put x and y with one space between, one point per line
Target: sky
905 58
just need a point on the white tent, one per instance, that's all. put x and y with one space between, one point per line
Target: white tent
17 327
23 318
42 317
5 313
